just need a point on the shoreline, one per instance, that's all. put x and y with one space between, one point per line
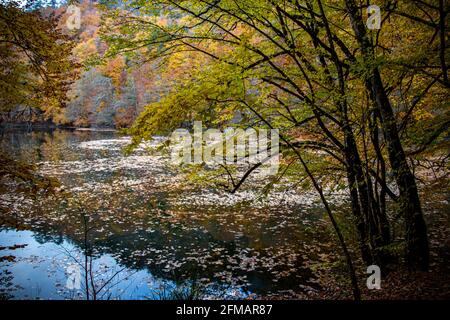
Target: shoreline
49 127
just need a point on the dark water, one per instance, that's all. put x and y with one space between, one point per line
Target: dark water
132 228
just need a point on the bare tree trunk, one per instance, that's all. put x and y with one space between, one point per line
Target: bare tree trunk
381 168
359 205
442 19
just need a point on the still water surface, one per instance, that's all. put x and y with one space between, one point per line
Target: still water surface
127 227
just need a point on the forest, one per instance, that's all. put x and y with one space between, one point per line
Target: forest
317 165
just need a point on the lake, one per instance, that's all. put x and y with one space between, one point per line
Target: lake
135 227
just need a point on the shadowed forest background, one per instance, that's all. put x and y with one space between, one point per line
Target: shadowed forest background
363 118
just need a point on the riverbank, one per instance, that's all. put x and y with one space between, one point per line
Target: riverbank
51 126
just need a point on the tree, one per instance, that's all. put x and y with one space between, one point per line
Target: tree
35 66
91 99
126 108
417 251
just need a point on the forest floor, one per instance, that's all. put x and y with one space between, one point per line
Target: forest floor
398 283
